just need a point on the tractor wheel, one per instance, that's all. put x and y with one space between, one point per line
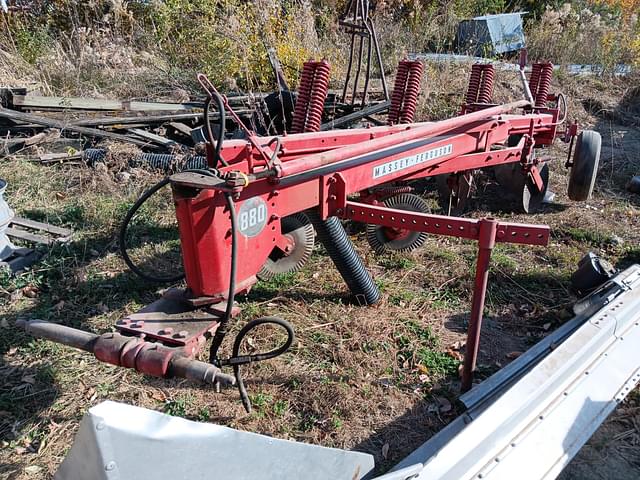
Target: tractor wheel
585 165
301 232
383 239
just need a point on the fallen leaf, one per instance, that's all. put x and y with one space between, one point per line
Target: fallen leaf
513 355
547 326
455 355
59 306
423 369
33 469
158 395
30 379
30 291
385 450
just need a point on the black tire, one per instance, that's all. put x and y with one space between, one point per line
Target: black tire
383 239
584 170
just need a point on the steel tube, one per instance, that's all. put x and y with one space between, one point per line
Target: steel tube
185 367
71 337
305 164
486 242
179 365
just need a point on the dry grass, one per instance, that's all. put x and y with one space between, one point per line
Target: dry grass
357 377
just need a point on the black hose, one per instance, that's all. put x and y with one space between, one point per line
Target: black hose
336 242
237 360
221 331
123 237
221 129
129 216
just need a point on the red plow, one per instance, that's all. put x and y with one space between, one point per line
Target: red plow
253 212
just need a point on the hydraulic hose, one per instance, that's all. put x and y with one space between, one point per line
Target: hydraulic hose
123 237
336 242
237 360
217 145
221 332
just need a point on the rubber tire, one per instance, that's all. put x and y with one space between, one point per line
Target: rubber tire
375 233
584 170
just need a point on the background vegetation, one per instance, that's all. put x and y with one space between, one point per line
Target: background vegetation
154 48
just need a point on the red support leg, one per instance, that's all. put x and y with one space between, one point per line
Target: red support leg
486 242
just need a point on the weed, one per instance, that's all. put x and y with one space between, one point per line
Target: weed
280 407
177 407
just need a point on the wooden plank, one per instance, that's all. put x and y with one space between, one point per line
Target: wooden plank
63 126
152 137
28 236
45 227
149 119
181 127
81 103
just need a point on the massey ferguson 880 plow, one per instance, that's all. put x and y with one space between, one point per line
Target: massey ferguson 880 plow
245 216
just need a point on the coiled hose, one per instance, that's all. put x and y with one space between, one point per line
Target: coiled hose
336 242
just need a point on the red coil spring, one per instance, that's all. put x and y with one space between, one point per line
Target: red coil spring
534 78
304 94
485 92
412 91
318 96
399 88
544 84
474 83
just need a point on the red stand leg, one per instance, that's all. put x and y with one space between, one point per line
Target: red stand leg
486 242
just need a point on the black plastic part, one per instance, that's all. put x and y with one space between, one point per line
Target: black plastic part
592 272
333 237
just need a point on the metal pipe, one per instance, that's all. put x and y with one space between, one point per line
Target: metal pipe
486 242
71 337
305 164
171 362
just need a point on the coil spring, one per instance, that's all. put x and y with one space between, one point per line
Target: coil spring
319 92
412 91
534 78
474 83
314 86
485 92
399 88
544 84
304 94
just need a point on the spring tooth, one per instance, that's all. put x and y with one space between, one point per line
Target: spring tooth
412 91
319 92
304 93
474 83
485 92
399 88
542 94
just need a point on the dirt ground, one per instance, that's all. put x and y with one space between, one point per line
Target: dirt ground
381 379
